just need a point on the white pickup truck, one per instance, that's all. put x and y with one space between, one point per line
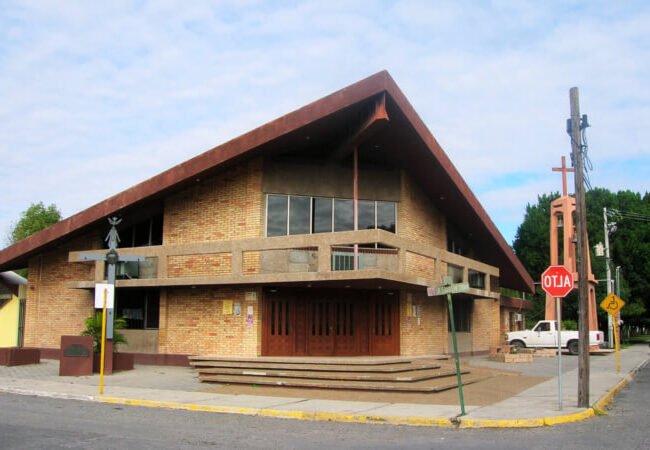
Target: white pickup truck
544 335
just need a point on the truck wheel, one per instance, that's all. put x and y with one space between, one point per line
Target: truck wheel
518 345
574 347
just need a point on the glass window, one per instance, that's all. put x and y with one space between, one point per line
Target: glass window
366 215
276 215
386 216
139 307
343 215
299 215
157 230
462 315
322 215
141 236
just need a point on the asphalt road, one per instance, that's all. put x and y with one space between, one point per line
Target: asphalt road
29 422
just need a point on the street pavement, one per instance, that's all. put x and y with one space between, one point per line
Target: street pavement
178 387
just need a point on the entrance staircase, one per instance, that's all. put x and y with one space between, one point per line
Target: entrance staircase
388 374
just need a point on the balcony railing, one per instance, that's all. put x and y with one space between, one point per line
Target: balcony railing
299 258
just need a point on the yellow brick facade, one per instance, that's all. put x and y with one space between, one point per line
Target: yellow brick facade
192 321
418 219
206 265
428 335
51 309
227 206
231 206
485 324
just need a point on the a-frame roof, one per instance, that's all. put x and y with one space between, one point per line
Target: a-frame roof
405 141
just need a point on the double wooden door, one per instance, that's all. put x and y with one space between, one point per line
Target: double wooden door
330 323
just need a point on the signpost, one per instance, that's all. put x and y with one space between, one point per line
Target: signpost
449 289
557 281
613 304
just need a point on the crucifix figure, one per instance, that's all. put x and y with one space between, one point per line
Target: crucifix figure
111 258
564 169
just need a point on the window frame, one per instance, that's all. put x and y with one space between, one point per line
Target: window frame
332 209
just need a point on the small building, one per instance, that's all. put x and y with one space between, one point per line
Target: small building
12 307
314 234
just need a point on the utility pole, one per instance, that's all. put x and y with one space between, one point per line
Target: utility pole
581 228
610 325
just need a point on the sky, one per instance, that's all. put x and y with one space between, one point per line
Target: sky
96 97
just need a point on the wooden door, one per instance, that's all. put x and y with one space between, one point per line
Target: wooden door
384 321
278 326
321 327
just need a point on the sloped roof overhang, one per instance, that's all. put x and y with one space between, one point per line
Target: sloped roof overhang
420 153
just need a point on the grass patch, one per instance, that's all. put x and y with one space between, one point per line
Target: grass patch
642 339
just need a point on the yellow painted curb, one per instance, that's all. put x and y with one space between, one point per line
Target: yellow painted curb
598 408
601 404
301 415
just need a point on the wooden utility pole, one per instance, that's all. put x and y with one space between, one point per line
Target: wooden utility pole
583 261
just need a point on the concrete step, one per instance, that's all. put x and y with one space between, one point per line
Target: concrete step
407 376
403 366
333 360
436 385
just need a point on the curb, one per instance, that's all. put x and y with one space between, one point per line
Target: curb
35 393
598 408
301 415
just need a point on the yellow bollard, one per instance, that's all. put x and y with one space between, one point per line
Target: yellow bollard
103 345
618 360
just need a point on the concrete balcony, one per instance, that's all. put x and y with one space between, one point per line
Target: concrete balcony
326 259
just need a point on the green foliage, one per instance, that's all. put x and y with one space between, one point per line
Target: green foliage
94 330
569 325
34 219
629 248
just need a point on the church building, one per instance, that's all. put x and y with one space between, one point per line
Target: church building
316 234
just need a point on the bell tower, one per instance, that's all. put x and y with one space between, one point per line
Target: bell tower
562 211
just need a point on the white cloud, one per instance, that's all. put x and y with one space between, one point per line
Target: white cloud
137 87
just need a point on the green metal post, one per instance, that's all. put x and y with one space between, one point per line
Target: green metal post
453 337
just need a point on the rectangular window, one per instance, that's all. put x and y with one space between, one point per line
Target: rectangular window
304 215
366 215
462 315
140 307
386 216
343 215
299 215
322 215
276 215
157 230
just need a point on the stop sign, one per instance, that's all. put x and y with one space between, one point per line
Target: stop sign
557 281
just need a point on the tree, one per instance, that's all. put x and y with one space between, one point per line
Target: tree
629 248
36 218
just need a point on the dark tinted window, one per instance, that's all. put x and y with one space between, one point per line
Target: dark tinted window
386 216
299 214
276 220
139 307
157 230
366 215
322 215
343 215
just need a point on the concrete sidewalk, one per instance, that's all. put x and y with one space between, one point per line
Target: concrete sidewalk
178 387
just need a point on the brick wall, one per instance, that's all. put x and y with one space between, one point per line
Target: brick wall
251 262
51 309
430 335
485 324
507 325
417 218
227 206
193 321
206 265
